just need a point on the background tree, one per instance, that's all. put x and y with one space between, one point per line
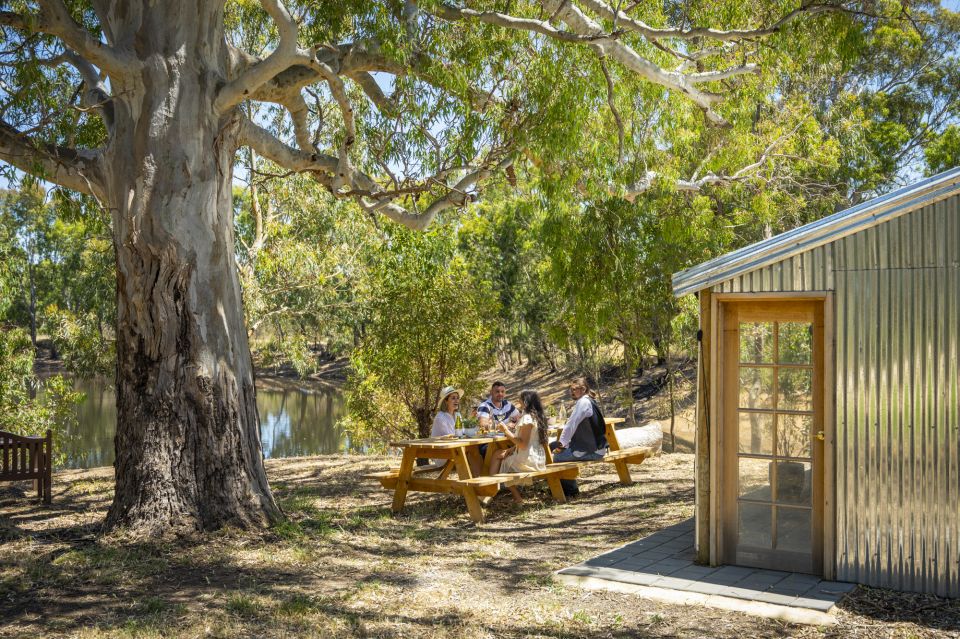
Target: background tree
60 262
427 326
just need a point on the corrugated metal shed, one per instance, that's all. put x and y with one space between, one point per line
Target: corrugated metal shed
893 266
816 234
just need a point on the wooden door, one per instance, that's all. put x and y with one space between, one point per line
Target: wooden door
771 435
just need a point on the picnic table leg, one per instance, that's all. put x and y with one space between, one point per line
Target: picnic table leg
469 493
556 489
463 465
406 470
473 504
446 470
624 472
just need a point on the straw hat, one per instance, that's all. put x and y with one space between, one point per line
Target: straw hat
446 392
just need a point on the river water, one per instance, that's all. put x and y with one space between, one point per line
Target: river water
293 422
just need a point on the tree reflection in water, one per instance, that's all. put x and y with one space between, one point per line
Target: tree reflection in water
293 422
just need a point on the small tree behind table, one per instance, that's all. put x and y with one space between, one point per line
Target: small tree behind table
428 325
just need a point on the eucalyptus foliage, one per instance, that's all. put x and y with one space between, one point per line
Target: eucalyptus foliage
427 325
29 405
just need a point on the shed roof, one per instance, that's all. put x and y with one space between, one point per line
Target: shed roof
825 230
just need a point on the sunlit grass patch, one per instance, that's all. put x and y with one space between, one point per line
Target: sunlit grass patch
541 581
90 486
243 605
298 606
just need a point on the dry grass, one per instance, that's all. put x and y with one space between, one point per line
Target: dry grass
342 566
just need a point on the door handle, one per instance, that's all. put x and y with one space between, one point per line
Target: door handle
820 435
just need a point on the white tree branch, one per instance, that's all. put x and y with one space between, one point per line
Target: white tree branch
585 30
364 189
624 21
710 76
95 94
451 13
339 91
299 113
74 169
261 72
54 19
696 184
578 22
373 91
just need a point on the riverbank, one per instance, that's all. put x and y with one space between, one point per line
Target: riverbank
343 566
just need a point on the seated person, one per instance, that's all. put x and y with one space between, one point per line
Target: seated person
447 407
584 436
529 440
497 408
445 421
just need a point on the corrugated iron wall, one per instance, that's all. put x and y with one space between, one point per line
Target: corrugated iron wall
897 331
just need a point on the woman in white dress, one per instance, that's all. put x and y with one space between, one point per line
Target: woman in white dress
529 441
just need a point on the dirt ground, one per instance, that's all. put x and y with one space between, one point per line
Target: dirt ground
343 566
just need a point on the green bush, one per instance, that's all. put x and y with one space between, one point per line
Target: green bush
29 405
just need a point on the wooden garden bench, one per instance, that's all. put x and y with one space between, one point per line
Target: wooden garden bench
24 458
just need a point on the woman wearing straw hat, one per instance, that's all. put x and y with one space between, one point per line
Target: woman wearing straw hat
447 407
444 422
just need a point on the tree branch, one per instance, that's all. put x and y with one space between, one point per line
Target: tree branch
299 111
77 170
373 91
624 21
454 14
584 30
339 92
364 189
696 184
261 72
95 95
55 19
613 109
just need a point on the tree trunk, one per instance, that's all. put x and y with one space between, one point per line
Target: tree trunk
33 306
188 452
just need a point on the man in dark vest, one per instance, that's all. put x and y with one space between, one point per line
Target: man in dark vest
584 436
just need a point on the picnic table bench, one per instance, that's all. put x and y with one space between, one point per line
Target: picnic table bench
618 456
23 458
456 454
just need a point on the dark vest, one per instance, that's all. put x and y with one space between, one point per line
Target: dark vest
591 433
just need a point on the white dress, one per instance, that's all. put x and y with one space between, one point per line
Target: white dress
526 459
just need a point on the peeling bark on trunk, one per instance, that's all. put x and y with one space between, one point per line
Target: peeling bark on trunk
188 453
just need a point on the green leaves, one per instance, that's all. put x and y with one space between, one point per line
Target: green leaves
28 405
427 324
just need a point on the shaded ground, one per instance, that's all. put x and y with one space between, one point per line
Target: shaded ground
342 566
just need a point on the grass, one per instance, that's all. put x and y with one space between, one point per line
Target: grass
342 565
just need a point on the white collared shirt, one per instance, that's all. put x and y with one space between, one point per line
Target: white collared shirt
581 411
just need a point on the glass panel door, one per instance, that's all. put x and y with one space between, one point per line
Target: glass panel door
770 429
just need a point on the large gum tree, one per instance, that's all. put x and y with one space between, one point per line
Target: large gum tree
142 108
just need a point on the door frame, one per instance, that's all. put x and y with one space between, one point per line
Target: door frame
716 411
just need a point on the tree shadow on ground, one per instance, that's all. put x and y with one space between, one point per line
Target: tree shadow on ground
891 606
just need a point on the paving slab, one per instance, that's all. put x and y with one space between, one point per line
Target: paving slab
663 563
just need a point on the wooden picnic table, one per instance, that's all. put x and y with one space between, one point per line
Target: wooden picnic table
458 452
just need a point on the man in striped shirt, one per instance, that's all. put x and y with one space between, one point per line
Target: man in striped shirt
497 407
